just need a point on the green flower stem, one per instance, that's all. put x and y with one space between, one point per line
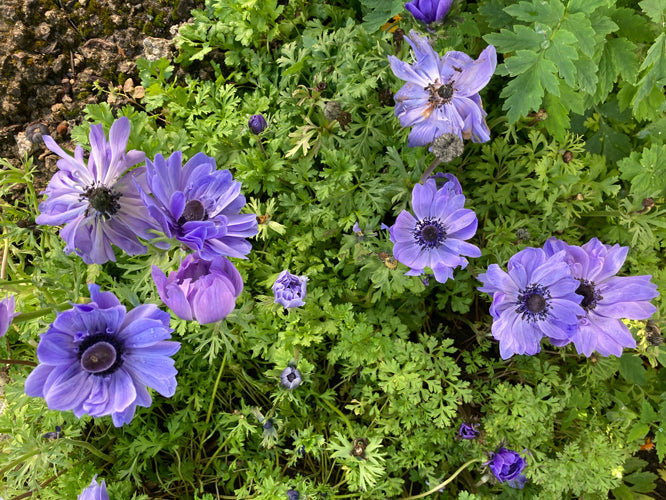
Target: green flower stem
18 461
442 485
91 449
210 406
342 415
261 147
30 315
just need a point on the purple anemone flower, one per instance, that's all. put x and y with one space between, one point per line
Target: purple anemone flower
607 298
429 11
536 298
290 290
507 466
434 236
203 290
94 491
7 313
290 378
98 201
199 205
442 93
98 358
468 431
292 495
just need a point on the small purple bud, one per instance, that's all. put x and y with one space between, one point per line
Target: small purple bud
293 495
290 289
257 124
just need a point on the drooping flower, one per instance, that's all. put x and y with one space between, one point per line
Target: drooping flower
536 298
201 290
435 235
507 466
94 491
199 205
441 95
98 200
257 124
606 298
7 313
468 431
290 290
429 11
98 358
290 378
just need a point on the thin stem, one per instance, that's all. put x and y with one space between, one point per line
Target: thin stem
17 362
5 256
430 169
342 415
19 460
30 315
442 485
212 402
91 449
261 147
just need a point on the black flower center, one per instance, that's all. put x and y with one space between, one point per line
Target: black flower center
589 293
533 303
291 377
194 210
103 199
100 354
445 92
429 233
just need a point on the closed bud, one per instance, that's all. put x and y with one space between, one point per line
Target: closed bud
447 147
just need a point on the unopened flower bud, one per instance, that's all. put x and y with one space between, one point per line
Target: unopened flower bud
567 156
447 147
257 124
332 110
522 234
653 334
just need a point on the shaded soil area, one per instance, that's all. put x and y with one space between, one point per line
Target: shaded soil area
52 53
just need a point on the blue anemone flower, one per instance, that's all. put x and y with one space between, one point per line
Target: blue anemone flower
199 205
442 93
536 298
98 358
435 235
606 298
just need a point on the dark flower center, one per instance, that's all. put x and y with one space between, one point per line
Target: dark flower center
100 354
291 377
194 210
589 293
536 303
102 199
429 233
533 303
445 92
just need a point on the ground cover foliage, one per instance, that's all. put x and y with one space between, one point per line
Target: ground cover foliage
391 365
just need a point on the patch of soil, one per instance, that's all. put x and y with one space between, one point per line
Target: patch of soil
53 51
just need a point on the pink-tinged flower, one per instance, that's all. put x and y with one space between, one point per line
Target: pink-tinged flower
429 11
442 93
536 298
435 235
606 298
97 200
7 313
201 290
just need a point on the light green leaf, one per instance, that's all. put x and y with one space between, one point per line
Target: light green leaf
537 11
562 52
510 41
654 9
